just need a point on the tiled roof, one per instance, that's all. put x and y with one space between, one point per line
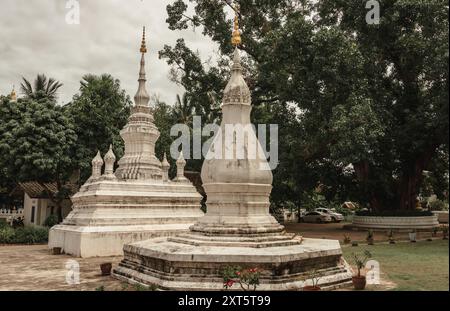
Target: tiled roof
39 190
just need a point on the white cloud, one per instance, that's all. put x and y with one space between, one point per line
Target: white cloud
34 38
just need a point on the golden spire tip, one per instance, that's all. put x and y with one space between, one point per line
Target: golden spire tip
143 45
236 39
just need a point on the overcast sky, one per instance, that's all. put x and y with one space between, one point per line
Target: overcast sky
35 38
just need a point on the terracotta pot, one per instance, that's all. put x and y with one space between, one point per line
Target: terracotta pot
359 282
106 268
311 288
56 250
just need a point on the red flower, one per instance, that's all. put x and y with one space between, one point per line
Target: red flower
230 283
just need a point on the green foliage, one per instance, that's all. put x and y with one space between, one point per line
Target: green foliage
31 235
42 88
36 141
360 260
248 279
51 221
98 112
374 96
438 205
37 144
7 235
25 235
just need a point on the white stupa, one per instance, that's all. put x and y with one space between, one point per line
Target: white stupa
134 203
237 229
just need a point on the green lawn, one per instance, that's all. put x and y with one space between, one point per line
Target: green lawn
412 266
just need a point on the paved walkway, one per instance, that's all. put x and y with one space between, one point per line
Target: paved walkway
33 268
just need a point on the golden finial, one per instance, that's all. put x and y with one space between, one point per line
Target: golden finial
236 39
143 46
13 94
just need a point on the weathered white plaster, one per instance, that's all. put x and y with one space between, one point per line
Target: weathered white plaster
136 202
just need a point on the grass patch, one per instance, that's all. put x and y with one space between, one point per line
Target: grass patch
412 266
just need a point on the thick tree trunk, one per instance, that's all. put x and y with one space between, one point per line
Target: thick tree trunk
410 182
362 170
59 211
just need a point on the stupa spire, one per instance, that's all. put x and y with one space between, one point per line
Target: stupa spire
237 90
142 98
236 39
140 134
13 94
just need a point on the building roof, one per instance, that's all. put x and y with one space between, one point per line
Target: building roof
37 190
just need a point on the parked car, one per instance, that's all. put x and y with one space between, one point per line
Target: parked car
317 217
336 217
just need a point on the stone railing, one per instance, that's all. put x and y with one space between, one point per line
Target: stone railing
9 215
378 222
8 212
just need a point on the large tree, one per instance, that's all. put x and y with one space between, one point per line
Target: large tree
370 96
99 111
37 144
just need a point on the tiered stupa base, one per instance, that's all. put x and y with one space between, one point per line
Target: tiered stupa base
195 261
109 214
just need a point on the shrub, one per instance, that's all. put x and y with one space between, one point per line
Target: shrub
395 213
6 235
248 279
18 222
51 221
438 205
31 235
3 223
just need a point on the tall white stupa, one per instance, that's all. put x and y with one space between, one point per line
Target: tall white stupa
237 229
134 203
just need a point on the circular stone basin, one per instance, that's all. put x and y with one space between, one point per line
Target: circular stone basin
391 222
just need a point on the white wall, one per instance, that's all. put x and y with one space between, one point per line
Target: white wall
43 209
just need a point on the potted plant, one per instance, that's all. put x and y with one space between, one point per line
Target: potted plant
359 281
347 239
391 236
369 237
106 268
56 250
434 232
413 235
314 276
445 233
